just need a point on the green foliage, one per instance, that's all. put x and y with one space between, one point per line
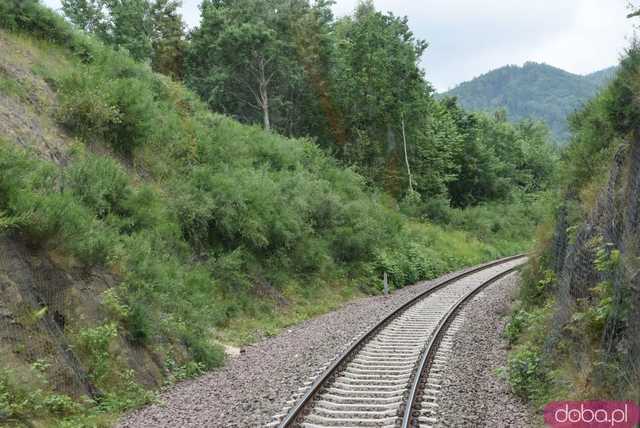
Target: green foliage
533 91
204 355
129 395
376 65
146 29
168 38
31 196
242 60
622 107
529 368
427 251
519 320
582 349
27 399
12 87
27 396
208 222
529 324
322 72
592 145
499 158
95 342
99 183
39 21
535 292
99 101
137 322
187 371
527 374
126 24
607 260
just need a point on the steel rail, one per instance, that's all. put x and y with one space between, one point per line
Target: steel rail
432 347
298 408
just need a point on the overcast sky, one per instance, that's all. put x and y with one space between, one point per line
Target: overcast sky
470 37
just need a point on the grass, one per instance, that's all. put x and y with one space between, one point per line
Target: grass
12 87
434 251
301 306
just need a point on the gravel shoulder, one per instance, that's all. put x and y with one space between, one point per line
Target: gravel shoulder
256 385
472 393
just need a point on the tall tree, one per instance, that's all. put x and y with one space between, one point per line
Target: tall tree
379 87
131 26
168 38
315 42
88 15
149 31
239 61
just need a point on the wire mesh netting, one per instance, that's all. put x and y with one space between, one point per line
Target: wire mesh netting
33 316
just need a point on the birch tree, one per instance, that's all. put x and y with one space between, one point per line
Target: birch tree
242 58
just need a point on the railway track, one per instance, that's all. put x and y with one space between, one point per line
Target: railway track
390 376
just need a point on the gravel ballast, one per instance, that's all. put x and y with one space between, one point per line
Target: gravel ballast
257 384
472 392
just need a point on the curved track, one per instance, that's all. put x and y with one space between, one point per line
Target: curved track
389 376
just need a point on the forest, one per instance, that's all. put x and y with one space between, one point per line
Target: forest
238 177
294 69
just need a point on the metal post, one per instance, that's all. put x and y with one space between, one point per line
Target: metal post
386 284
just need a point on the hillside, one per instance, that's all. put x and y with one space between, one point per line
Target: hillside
575 330
602 77
534 90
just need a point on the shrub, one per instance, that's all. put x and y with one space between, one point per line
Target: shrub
519 320
26 395
117 110
437 210
94 343
46 215
527 373
137 323
83 108
99 183
205 353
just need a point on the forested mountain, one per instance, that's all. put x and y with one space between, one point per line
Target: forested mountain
602 77
534 90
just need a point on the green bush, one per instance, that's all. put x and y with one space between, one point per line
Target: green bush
31 17
527 374
517 323
95 103
534 292
100 184
26 395
203 352
94 343
137 323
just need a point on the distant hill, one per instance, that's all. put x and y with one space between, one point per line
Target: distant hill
532 91
603 76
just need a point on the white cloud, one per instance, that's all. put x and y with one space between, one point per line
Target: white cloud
470 37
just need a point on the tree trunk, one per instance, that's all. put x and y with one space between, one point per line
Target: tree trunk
406 156
265 111
263 85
